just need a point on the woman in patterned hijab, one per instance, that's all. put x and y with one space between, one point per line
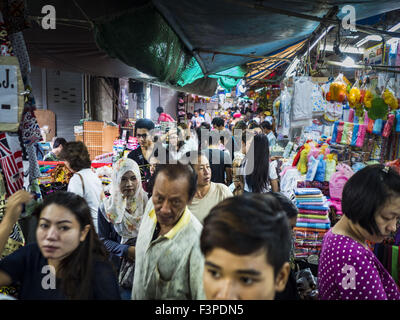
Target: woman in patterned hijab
123 211
125 207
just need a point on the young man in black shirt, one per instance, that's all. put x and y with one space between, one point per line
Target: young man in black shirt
142 154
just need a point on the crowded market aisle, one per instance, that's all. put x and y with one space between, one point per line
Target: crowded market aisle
285 191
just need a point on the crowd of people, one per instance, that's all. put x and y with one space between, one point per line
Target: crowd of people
195 213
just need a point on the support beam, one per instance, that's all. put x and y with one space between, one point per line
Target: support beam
241 55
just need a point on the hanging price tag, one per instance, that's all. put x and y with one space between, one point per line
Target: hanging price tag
8 94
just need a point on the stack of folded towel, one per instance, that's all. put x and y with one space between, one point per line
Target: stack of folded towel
312 221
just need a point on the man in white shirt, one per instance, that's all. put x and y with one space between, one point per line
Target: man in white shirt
206 116
168 261
208 194
197 120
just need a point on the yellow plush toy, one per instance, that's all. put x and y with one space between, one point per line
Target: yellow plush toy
302 165
354 97
368 99
390 99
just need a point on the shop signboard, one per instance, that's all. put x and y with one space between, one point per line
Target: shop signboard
8 94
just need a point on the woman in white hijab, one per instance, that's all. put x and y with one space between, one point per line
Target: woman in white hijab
120 216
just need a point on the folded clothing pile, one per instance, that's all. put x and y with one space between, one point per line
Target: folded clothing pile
312 221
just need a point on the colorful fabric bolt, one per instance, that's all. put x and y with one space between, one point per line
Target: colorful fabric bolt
361 135
335 131
340 132
355 134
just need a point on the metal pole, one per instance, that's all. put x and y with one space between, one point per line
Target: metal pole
241 55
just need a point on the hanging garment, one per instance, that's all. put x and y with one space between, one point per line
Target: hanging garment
30 128
302 108
286 108
317 100
11 165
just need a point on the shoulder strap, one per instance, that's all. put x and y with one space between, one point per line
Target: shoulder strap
83 185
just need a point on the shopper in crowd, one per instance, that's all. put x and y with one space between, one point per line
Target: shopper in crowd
84 181
119 219
163 117
141 155
67 262
220 161
177 145
54 154
348 269
208 194
267 130
205 116
218 124
190 136
290 292
237 131
259 174
254 127
246 243
169 263
197 120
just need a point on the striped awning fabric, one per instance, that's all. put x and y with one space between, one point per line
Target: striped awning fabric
259 69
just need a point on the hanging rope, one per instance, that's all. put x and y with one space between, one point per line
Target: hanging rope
84 14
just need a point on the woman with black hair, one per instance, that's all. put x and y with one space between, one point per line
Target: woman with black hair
84 181
259 175
348 269
67 262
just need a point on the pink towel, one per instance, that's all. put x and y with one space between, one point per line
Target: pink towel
313 220
318 212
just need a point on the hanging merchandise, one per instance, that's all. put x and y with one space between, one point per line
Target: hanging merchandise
11 164
390 99
317 100
333 111
338 89
378 110
302 108
285 107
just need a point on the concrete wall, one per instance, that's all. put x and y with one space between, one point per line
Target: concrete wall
169 101
101 100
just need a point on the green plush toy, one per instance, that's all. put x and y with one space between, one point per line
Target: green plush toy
379 109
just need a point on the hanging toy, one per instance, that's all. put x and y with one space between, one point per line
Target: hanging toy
390 99
351 115
377 126
378 110
388 126
355 134
354 97
337 91
328 96
368 99
397 129
370 125
362 129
